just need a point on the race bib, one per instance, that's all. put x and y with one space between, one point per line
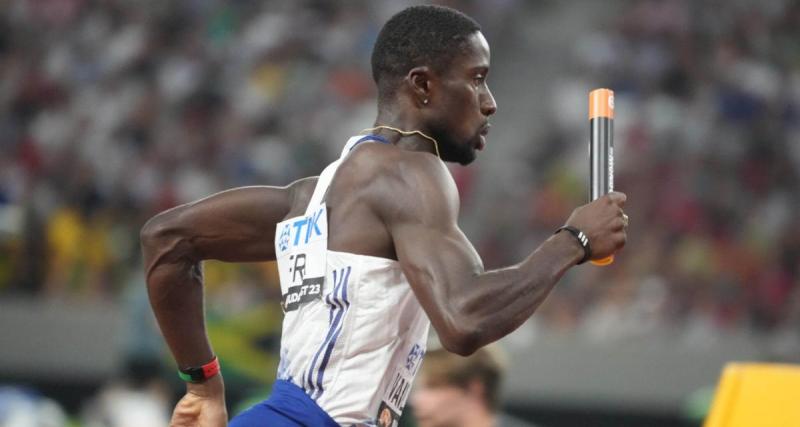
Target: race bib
396 395
301 247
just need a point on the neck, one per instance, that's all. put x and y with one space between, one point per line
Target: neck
401 119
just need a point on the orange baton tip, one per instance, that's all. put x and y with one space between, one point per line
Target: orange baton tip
601 103
603 262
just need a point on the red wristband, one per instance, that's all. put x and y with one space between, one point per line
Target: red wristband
198 375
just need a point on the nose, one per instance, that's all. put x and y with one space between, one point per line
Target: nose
488 104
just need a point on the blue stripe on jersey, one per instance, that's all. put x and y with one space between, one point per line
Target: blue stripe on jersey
330 312
331 329
377 138
332 342
333 302
338 307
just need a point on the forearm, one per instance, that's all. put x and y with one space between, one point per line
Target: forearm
175 287
499 301
176 297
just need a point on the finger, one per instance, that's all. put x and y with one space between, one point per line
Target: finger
184 410
618 198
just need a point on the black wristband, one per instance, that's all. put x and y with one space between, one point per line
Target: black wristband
582 239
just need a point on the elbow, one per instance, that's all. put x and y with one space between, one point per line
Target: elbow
461 340
153 231
460 330
461 349
164 235
168 253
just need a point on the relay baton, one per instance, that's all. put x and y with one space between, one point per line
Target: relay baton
601 148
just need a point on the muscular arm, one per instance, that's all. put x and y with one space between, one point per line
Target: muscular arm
470 307
236 225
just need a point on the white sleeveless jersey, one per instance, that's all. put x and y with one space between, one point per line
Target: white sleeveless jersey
353 332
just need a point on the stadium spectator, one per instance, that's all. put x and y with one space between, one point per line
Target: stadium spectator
461 391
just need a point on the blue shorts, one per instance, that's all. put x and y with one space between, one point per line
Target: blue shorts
287 406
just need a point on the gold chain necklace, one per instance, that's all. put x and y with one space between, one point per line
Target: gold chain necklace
407 133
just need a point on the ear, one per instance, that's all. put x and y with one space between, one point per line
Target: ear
418 81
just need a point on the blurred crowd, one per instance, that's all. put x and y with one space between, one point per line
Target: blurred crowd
113 111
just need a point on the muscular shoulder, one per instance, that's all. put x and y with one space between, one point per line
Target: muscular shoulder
397 182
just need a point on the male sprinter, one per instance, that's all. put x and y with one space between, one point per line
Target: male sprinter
369 252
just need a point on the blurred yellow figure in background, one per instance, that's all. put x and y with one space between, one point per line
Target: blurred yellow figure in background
761 394
80 253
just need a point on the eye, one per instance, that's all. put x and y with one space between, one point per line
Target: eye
479 79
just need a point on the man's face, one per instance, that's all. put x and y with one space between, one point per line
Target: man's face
461 108
440 405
